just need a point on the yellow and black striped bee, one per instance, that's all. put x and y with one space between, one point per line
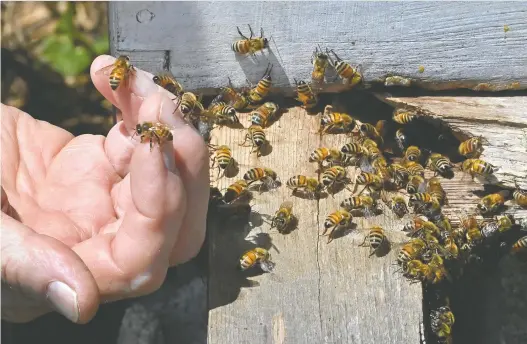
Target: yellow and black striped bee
403 116
471 148
353 148
257 94
169 83
399 174
320 63
265 175
490 228
222 114
398 205
424 203
416 184
413 249
478 167
449 245
332 121
250 45
441 322
283 216
412 153
223 156
375 239
337 157
264 114
492 203
440 165
370 131
365 203
307 184
520 196
520 246
435 189
370 181
350 75
319 155
338 219
305 95
235 99
235 191
256 137
414 168
154 132
332 176
401 139
120 72
419 225
257 256
191 105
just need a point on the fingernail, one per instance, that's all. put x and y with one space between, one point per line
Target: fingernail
64 300
168 113
144 85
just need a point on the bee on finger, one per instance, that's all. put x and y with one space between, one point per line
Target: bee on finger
283 216
492 203
191 105
375 239
520 196
257 256
307 184
350 75
440 165
154 132
264 114
365 203
403 116
320 62
256 137
305 95
223 156
471 148
338 219
250 45
257 94
235 191
416 184
477 167
119 71
266 176
336 121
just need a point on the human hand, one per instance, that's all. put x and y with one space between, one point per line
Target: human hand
90 219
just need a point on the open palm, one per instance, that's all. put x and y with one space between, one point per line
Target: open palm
104 216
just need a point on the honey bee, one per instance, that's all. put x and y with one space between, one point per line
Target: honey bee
332 121
257 94
450 245
370 181
336 157
222 114
374 239
490 228
332 176
400 174
441 322
403 116
256 136
264 114
353 148
235 191
283 216
436 191
169 83
307 184
492 203
414 168
440 164
250 45
412 153
424 201
257 256
364 202
320 62
398 205
340 218
120 71
400 139
154 132
520 246
370 131
396 80
350 75
319 155
413 249
305 95
419 225
267 176
471 148
237 100
520 196
222 156
478 167
191 105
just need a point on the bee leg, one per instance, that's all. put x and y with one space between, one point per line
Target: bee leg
251 30
241 34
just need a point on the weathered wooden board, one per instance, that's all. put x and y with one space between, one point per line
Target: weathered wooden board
477 45
319 293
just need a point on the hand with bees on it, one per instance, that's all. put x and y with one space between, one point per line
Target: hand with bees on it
93 219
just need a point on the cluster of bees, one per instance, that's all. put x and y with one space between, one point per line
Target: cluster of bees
435 250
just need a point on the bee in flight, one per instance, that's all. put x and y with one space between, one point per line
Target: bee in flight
223 156
320 63
307 184
256 136
257 256
283 216
154 132
350 75
120 72
305 95
257 94
375 240
250 45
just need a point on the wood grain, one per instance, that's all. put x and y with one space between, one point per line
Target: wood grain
462 45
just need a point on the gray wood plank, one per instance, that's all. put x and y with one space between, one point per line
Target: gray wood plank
460 45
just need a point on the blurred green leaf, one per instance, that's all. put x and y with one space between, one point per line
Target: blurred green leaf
63 56
101 45
65 24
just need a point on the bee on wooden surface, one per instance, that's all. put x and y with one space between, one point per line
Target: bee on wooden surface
413 249
120 72
365 203
441 322
264 114
435 189
412 153
478 167
424 202
169 83
154 132
256 137
492 203
267 176
404 116
414 168
438 271
337 157
370 181
250 45
235 191
398 205
257 256
450 245
305 95
370 131
283 216
222 114
257 94
319 155
320 62
520 246
401 139
332 121
191 105
236 99
471 148
333 175
400 174
310 185
375 239
419 225
416 270
353 148
472 231
223 156
350 75
490 228
520 196
440 164
340 218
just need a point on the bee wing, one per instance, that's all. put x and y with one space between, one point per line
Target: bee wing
267 265
287 205
105 70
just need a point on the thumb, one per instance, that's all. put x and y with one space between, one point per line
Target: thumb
41 274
